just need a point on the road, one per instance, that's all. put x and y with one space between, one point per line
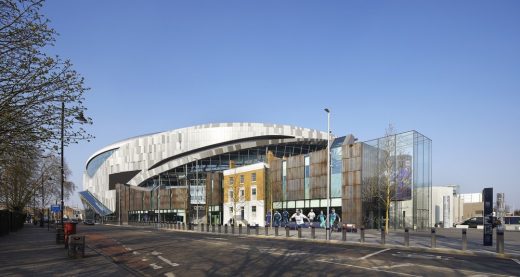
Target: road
152 252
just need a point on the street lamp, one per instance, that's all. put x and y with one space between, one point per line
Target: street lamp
327 224
80 118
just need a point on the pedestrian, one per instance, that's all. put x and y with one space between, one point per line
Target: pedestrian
285 217
321 218
277 218
299 218
333 217
268 219
311 215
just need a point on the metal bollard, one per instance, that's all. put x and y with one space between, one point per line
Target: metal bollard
299 232
406 237
257 229
202 227
276 231
207 228
286 231
344 233
183 226
500 240
239 229
434 239
233 229
219 229
266 230
313 232
225 229
248 229
383 236
362 235
213 228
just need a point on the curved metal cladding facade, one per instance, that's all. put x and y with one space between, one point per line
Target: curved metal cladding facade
136 160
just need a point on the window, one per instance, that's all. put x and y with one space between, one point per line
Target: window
242 213
253 209
241 179
253 193
231 195
253 177
231 180
231 210
242 193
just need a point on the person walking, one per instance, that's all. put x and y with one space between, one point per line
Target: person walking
311 215
299 218
285 217
268 219
277 218
333 216
321 218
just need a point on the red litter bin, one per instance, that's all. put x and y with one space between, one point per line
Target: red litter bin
70 229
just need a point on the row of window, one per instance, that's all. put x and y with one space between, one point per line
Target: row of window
242 211
253 179
242 194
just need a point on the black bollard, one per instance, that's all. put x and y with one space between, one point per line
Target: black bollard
406 237
219 229
225 229
344 233
313 232
213 228
233 229
383 236
286 231
248 229
276 231
362 235
207 228
299 231
434 239
266 230
239 229
257 229
202 227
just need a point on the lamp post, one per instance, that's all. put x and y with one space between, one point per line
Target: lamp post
327 224
81 118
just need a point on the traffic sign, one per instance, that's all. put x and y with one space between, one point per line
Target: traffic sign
55 208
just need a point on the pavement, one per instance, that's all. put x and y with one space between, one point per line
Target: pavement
32 251
147 251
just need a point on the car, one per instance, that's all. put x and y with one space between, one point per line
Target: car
88 222
475 221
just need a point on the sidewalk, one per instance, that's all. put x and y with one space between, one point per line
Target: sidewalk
33 251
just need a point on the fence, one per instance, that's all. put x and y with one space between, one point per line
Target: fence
10 222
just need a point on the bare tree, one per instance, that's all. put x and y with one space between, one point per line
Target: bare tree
388 145
33 84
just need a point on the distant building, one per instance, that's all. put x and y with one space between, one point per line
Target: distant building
447 206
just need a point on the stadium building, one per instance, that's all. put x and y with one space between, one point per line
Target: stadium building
238 172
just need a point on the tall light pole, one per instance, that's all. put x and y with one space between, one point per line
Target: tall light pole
80 118
327 224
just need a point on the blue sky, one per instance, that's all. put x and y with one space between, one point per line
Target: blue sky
448 69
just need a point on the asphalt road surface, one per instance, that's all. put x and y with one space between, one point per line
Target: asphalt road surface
152 252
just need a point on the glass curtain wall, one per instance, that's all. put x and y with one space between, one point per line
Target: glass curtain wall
396 176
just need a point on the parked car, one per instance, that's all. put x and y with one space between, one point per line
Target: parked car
475 221
88 222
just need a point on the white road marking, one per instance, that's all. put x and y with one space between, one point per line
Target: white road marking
155 253
373 254
144 260
394 266
135 253
167 261
368 268
217 238
128 248
154 266
169 274
516 261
